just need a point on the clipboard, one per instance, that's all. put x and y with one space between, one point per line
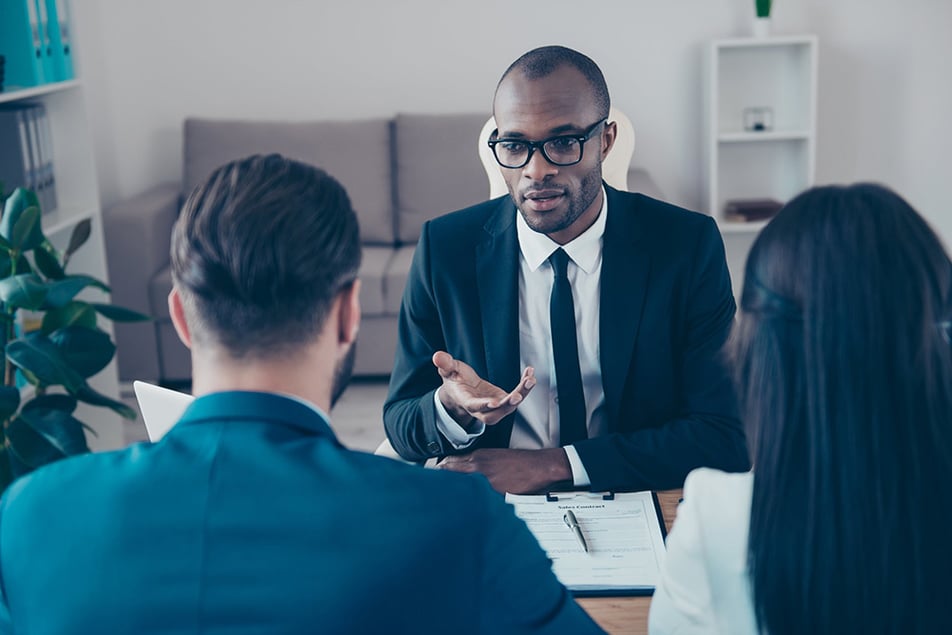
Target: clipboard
623 531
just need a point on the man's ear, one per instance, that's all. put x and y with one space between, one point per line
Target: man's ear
349 313
608 138
177 311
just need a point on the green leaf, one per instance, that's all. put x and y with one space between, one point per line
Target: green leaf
62 291
58 427
23 265
9 401
79 236
47 261
24 291
87 351
37 355
29 447
75 313
13 208
32 379
118 313
28 230
87 394
56 401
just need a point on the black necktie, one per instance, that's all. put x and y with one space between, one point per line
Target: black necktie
568 376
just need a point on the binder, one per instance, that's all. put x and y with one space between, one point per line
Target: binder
36 155
47 175
623 536
58 14
15 166
46 45
22 44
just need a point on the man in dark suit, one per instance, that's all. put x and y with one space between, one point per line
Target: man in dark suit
249 516
614 305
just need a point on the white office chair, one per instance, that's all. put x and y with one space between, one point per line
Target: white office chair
385 449
614 168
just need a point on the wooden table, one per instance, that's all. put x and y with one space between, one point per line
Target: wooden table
629 615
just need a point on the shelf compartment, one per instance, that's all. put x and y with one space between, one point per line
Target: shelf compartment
773 169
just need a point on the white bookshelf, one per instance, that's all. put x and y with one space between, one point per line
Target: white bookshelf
77 192
777 73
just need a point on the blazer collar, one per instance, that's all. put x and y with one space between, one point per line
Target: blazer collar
258 406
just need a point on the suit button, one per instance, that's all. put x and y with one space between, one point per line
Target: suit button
433 446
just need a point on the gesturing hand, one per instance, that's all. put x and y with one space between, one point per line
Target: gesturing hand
468 397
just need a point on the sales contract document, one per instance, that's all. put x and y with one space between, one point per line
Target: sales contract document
621 531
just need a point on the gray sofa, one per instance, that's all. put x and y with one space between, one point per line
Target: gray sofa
399 172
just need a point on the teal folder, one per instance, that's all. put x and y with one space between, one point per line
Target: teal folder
21 43
46 45
57 12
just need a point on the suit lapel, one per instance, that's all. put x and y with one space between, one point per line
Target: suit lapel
624 283
497 279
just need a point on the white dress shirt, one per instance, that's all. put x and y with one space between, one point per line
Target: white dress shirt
536 424
704 586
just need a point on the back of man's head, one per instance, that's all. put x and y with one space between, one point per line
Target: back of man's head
259 253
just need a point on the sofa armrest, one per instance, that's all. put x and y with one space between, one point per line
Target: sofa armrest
138 234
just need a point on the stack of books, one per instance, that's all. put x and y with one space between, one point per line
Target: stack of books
749 210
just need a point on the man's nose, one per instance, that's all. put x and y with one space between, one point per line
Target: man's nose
538 167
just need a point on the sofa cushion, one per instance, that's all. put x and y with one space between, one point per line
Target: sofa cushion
373 265
396 279
356 153
438 168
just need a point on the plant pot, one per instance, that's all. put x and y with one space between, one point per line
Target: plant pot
761 27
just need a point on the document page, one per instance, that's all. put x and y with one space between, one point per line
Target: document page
622 534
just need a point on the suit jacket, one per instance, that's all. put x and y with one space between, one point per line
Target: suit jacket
704 587
250 517
666 311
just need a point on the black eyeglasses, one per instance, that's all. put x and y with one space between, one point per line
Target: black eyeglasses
563 150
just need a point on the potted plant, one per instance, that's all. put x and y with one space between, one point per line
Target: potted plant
762 22
46 370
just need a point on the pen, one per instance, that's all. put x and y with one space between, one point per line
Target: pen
572 523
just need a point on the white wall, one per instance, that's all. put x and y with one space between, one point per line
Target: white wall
884 106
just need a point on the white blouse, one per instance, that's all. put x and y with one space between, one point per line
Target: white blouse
704 587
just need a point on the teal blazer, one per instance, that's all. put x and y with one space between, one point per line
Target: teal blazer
250 517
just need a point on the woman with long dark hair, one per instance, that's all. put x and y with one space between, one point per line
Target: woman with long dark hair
843 366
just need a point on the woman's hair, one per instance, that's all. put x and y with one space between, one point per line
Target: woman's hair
843 367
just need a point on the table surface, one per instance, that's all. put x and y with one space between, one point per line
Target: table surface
629 615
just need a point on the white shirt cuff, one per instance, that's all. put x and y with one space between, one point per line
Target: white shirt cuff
579 473
454 432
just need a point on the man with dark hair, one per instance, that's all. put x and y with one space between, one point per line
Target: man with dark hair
614 306
249 516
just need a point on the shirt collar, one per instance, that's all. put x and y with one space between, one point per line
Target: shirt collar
258 406
584 250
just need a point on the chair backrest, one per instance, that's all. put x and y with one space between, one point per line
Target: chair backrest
614 168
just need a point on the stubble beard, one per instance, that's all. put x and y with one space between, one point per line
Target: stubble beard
581 200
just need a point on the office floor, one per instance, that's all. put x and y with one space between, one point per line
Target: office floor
356 418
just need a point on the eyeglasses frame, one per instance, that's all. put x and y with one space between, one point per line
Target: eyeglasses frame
540 145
